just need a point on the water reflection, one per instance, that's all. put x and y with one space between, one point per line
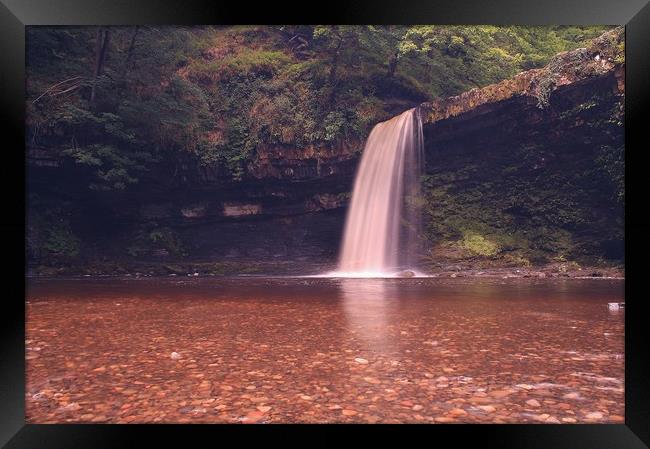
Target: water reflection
368 305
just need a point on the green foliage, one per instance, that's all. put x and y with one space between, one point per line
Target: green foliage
143 110
61 241
474 56
49 231
167 239
552 70
220 93
115 168
246 63
478 245
146 242
611 161
620 53
610 157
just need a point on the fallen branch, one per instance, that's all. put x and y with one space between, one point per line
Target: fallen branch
53 86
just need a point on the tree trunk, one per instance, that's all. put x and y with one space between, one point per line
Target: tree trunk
332 75
103 38
129 53
392 65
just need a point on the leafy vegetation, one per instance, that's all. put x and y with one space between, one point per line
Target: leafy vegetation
158 240
119 99
478 245
49 232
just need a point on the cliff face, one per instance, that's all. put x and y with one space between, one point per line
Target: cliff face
518 172
530 170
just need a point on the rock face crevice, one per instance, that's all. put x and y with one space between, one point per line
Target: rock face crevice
523 133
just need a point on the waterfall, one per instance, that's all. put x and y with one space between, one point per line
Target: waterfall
384 219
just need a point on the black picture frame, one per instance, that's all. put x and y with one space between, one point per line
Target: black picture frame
16 14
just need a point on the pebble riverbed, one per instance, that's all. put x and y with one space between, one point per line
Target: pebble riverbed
292 350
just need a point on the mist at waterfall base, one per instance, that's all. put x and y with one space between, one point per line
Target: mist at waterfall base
383 223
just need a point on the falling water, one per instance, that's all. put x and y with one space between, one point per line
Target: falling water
383 222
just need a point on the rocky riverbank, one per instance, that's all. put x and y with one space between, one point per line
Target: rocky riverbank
288 268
